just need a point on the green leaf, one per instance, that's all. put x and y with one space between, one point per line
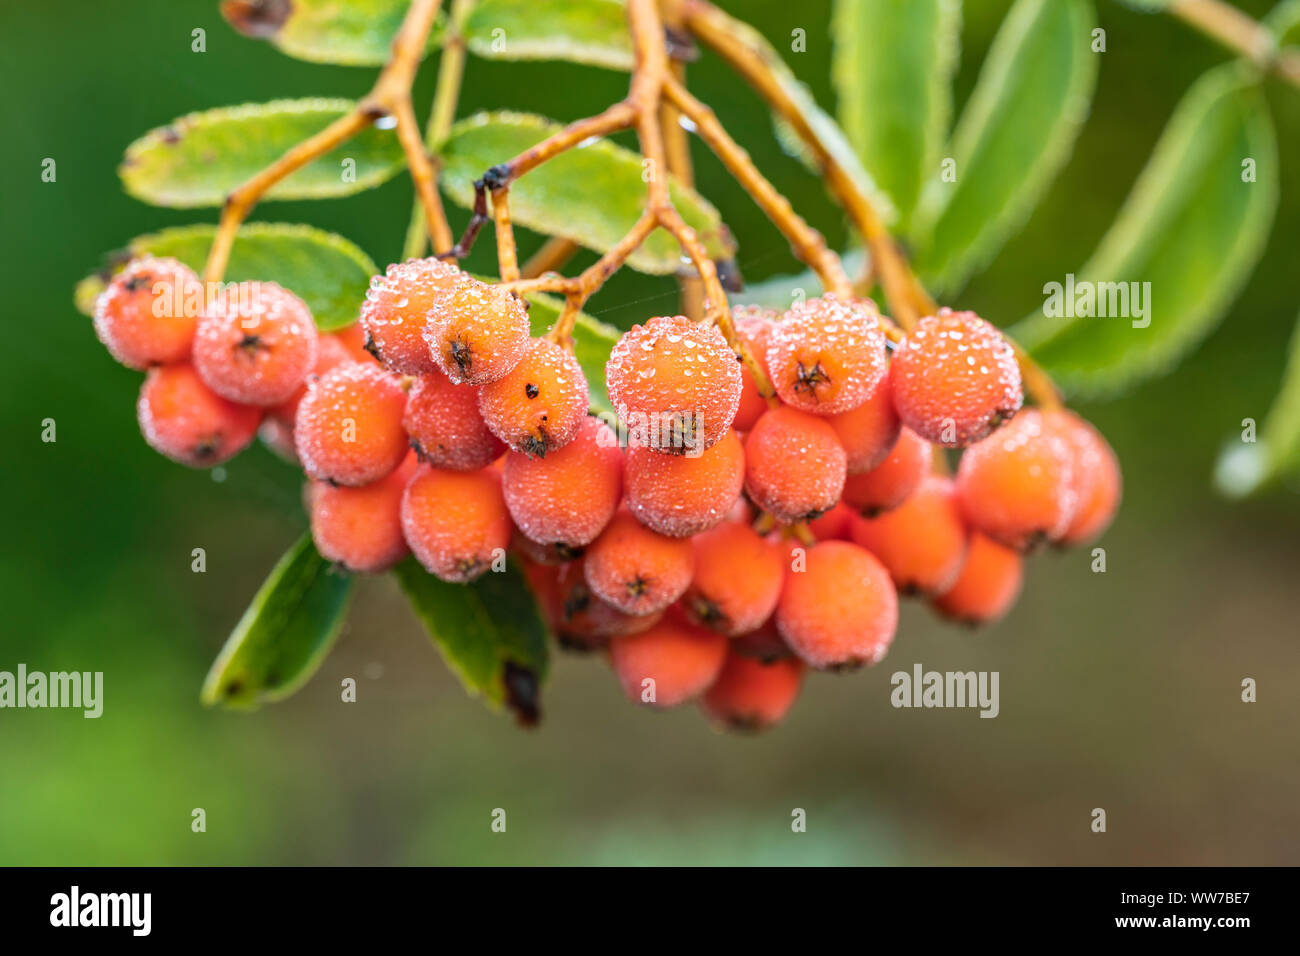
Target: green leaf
818 120
1191 227
582 31
892 64
284 635
198 159
592 340
592 195
1284 21
326 271
346 32
1243 467
488 631
1015 133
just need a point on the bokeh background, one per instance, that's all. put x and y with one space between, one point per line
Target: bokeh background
1119 690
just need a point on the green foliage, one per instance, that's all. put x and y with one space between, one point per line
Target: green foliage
581 31
326 271
198 159
1192 227
488 631
592 195
346 32
290 626
893 64
1013 136
1246 467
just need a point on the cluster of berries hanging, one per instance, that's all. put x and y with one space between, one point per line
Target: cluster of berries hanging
720 545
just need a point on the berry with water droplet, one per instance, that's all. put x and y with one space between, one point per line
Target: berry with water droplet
147 314
349 425
539 406
682 495
185 420
476 332
637 570
922 542
669 664
445 426
397 308
827 355
794 465
455 522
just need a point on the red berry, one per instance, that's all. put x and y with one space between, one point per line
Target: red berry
955 378
445 427
361 528
565 500
188 422
1097 480
477 332
753 324
539 406
681 495
894 480
349 425
794 465
146 315
737 579
676 385
987 586
637 570
397 309
922 542
1017 486
455 521
751 694
669 664
870 431
581 620
841 610
256 344
827 356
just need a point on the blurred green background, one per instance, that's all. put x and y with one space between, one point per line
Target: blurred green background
1118 690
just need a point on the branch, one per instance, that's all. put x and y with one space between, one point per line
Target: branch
553 254
390 96
1239 33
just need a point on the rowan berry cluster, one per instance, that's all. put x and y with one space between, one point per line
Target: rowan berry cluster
724 545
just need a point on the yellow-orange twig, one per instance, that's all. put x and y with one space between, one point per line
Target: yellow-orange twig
390 96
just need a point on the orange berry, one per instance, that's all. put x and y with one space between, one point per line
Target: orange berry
737 579
833 525
455 521
841 610
675 384
870 431
565 499
669 664
1097 480
987 586
188 422
581 620
540 404
349 425
330 353
750 694
754 324
397 308
445 427
826 355
637 570
353 338
361 528
794 465
922 542
477 332
955 378
147 314
894 480
681 495
1017 486
256 344
764 644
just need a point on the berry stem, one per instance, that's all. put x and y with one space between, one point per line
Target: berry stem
803 533
390 96
552 256
451 71
807 242
507 254
1240 33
